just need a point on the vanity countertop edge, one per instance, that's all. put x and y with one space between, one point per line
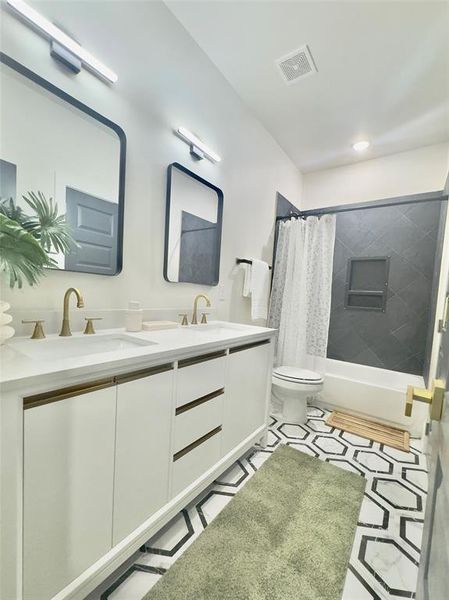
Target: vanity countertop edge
22 373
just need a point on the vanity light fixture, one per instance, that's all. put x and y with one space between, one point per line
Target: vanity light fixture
361 146
197 148
61 39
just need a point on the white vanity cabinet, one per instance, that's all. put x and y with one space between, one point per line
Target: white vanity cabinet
200 375
142 451
107 463
245 409
200 394
67 487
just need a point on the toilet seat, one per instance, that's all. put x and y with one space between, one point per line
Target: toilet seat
297 375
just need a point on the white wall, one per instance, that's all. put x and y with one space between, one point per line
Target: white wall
413 172
165 80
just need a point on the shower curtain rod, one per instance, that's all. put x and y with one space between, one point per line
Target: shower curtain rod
439 195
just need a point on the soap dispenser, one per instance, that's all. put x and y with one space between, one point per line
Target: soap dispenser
133 317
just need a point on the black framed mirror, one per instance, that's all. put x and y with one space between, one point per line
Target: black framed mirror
55 145
193 226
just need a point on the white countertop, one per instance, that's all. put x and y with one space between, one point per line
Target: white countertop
19 370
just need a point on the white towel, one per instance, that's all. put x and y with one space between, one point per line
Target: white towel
260 289
246 280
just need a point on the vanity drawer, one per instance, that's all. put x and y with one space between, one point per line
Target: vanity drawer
195 419
191 462
200 376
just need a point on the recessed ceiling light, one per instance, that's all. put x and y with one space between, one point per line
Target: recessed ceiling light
360 146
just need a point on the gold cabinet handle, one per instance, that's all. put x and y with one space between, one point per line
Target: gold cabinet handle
89 330
433 397
196 443
38 332
67 392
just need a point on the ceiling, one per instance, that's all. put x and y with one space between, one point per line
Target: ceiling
383 71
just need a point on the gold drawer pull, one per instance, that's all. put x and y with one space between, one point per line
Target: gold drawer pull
92 386
187 362
143 373
196 443
67 392
198 402
248 346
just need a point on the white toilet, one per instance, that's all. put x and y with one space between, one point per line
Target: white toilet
292 386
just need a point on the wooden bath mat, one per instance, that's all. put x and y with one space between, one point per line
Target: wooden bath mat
378 432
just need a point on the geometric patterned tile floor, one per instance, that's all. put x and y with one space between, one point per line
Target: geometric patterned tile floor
385 555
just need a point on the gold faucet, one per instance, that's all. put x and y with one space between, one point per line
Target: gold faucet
195 307
65 328
38 333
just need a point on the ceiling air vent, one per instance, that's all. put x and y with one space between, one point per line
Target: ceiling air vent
296 65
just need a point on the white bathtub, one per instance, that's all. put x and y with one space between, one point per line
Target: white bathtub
375 393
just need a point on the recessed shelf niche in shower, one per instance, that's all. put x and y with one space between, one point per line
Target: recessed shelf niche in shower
367 283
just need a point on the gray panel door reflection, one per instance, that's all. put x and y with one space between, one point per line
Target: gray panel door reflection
94 227
198 251
8 178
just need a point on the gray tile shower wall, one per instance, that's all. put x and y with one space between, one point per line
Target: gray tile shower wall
394 339
284 207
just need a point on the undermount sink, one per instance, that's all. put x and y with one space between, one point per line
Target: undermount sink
70 347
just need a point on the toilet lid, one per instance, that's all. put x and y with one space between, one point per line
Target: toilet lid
297 374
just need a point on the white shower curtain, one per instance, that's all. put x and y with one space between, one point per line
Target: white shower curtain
301 292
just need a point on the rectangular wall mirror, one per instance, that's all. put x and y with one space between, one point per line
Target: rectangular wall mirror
55 145
193 227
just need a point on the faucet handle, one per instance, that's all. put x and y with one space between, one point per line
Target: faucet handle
89 330
184 319
38 332
204 318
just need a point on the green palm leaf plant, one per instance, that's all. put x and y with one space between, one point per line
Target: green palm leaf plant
27 240
46 225
21 255
9 208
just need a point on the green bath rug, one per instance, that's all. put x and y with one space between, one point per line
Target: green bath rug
286 535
